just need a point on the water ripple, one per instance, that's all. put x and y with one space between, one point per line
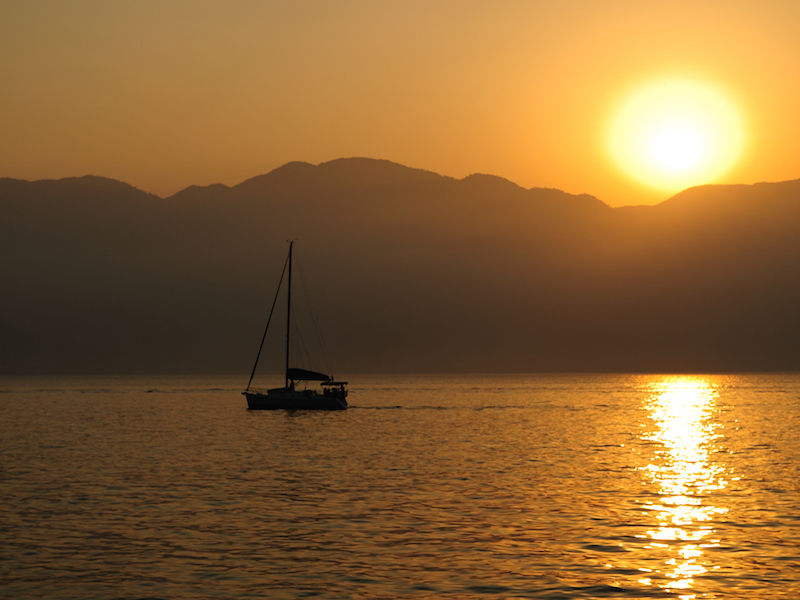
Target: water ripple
468 487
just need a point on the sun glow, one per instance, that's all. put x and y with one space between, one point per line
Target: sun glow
671 135
686 477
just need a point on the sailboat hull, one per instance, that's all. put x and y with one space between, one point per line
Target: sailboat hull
294 400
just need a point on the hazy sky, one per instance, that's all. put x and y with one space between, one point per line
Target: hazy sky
164 94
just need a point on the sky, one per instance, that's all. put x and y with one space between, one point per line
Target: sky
170 93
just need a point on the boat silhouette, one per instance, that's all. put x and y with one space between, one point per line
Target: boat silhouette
331 395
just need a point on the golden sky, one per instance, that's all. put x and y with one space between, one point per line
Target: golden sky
164 94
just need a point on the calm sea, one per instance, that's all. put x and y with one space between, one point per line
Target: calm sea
523 486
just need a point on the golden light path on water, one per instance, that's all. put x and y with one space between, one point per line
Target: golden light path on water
681 469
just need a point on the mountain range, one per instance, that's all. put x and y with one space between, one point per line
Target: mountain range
408 270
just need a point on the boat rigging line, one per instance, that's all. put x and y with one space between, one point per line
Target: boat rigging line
271 311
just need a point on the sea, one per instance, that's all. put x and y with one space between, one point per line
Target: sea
428 486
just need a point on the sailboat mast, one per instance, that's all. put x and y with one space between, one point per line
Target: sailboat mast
289 312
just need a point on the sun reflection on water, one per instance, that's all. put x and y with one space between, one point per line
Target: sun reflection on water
681 469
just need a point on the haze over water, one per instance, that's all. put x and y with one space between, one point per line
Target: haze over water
563 486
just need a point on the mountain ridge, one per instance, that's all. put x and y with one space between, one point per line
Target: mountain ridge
420 273
293 169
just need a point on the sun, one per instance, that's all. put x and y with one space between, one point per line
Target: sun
674 134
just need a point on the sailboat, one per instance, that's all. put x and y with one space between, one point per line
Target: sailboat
331 395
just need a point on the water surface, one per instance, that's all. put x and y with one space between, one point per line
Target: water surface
587 486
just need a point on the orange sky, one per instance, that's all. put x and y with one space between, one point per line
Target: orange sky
165 94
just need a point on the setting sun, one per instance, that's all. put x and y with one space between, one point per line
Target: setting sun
674 134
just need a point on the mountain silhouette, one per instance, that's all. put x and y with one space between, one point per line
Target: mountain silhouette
410 271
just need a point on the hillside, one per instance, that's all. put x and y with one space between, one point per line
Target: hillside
409 271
